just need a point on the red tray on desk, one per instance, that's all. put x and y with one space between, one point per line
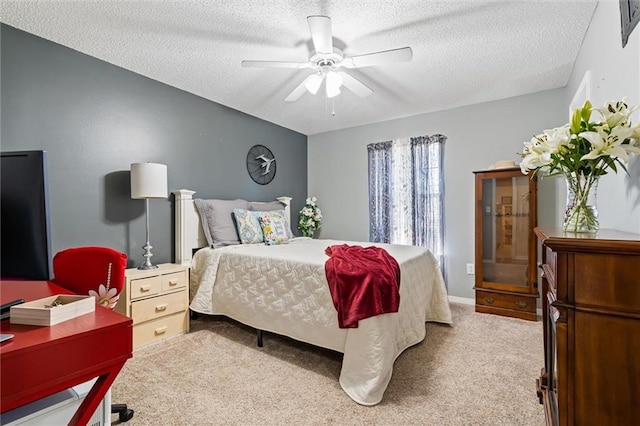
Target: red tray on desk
42 360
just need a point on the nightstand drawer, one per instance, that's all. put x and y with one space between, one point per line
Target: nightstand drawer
156 307
144 287
156 330
173 281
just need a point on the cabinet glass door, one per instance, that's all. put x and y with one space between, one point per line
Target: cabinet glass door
506 231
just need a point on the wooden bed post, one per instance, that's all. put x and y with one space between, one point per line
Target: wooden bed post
184 229
286 201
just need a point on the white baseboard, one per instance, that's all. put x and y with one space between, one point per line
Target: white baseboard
462 300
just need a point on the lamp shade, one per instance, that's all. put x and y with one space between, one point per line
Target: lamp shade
148 180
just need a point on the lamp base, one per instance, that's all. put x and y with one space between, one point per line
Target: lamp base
147 256
144 266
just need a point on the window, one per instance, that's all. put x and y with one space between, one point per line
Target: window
406 192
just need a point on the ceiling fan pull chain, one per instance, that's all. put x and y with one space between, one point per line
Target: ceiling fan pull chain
333 107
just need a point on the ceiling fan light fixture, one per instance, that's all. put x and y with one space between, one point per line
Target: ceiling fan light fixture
327 61
333 83
313 83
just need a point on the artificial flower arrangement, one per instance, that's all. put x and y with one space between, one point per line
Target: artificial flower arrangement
310 218
582 151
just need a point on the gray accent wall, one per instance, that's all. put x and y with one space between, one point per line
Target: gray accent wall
94 119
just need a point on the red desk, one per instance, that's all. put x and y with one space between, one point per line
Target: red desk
40 361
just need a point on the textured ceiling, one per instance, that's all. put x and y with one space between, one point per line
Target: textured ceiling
464 52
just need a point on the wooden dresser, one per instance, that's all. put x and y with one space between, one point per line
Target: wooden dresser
591 314
158 302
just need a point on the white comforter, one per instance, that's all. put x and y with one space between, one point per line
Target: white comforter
283 289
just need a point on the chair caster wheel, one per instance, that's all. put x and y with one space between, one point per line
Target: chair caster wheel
125 416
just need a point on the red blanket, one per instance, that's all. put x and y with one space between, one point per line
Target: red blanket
364 281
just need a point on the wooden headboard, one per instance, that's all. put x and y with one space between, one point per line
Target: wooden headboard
188 229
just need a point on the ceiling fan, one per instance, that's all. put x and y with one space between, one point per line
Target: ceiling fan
327 61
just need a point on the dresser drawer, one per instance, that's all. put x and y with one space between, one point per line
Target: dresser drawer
159 329
173 281
156 307
506 301
144 287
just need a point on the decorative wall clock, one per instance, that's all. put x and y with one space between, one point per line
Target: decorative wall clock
261 164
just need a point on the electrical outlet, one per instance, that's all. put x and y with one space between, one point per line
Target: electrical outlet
471 269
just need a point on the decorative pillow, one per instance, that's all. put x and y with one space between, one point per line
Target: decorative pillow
274 229
269 207
217 220
248 225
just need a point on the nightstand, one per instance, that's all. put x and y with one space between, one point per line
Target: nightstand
157 300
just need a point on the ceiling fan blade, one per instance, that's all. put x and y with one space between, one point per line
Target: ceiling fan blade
355 85
402 54
320 27
299 90
275 64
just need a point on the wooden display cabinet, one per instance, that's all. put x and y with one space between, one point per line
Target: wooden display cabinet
505 245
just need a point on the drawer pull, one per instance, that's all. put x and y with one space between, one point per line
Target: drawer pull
489 300
159 331
145 288
173 283
161 308
520 304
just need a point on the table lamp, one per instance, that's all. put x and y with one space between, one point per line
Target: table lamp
148 180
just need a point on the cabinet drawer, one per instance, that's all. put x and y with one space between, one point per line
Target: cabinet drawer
506 301
173 281
159 329
145 287
156 307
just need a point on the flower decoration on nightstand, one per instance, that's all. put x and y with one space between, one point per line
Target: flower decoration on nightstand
310 218
582 151
106 296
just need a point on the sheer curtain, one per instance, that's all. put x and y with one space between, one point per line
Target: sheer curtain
406 193
380 191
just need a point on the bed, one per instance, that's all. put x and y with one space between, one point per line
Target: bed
283 289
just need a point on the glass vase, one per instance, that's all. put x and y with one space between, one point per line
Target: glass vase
581 213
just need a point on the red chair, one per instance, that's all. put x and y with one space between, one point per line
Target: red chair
99 272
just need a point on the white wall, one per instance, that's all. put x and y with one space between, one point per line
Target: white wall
479 135
614 74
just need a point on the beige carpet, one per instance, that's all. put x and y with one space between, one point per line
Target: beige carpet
480 371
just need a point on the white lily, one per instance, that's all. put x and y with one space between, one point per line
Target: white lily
616 113
603 144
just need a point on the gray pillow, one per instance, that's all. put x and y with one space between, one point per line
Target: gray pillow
266 207
269 207
217 220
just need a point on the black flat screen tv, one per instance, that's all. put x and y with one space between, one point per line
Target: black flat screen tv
25 247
